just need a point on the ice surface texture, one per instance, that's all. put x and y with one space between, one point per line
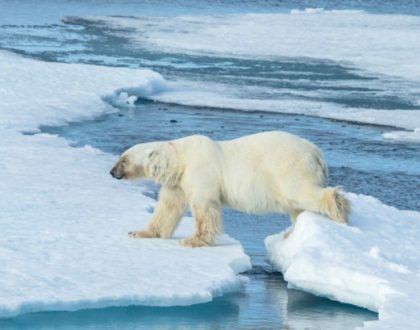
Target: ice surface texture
384 45
373 263
64 220
403 136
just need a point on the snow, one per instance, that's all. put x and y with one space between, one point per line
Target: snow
37 93
64 220
209 96
403 136
373 262
382 45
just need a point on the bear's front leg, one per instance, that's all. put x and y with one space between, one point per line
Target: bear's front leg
143 234
207 224
166 216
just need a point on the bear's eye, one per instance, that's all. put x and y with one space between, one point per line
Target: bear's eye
123 161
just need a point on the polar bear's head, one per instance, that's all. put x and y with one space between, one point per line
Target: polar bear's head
154 161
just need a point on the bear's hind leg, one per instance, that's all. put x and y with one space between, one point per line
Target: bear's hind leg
208 224
294 214
329 201
169 210
293 217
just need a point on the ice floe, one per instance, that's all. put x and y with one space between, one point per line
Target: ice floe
379 44
208 96
64 220
403 136
374 262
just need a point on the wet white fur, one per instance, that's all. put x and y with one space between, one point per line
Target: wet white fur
261 173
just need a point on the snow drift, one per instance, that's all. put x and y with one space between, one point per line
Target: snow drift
373 262
64 220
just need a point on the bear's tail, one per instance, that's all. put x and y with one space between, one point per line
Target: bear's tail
335 205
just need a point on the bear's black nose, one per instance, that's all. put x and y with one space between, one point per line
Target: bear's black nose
112 173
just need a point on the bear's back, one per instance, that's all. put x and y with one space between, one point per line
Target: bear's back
265 163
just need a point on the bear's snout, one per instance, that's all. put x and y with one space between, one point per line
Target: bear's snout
115 173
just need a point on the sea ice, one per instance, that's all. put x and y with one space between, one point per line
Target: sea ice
208 95
374 262
64 220
403 136
380 44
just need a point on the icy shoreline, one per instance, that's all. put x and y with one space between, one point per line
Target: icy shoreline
64 220
382 44
372 263
64 243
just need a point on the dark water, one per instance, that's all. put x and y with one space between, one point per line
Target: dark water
359 159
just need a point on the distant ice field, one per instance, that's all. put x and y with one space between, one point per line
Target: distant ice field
47 11
347 65
343 64
378 43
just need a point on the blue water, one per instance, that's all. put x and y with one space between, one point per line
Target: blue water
359 158
24 12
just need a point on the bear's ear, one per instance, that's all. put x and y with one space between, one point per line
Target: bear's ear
151 153
156 165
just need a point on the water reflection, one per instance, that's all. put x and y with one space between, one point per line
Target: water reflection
203 316
265 304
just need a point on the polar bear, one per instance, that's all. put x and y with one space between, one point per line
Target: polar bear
260 173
